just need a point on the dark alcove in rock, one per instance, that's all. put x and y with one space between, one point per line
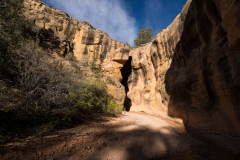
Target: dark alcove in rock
126 72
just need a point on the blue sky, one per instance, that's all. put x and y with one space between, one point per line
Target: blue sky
122 19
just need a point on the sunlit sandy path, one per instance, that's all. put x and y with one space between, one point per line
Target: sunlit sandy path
141 137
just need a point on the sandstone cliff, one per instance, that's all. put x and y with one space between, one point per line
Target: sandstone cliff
190 70
59 33
150 63
203 78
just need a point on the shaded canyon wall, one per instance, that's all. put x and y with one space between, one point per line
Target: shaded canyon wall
203 79
191 69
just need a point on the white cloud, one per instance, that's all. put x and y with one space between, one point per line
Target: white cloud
109 16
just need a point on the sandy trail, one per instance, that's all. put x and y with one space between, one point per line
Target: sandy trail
131 136
142 137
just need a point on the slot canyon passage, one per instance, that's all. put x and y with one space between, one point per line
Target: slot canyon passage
180 91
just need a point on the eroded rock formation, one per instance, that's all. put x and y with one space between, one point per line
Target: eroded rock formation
61 34
190 70
203 78
150 63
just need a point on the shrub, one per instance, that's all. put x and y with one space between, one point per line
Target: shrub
95 99
113 107
37 89
110 80
14 28
46 83
94 68
50 87
70 56
10 97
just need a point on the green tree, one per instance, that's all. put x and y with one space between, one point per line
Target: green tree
145 35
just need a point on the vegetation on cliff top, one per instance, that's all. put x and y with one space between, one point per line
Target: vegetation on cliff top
145 35
37 91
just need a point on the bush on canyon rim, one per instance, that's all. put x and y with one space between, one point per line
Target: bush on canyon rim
144 36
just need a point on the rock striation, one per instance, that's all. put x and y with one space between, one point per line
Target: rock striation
150 63
203 79
190 70
59 33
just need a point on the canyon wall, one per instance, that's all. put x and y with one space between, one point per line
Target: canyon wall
191 69
58 33
150 63
203 79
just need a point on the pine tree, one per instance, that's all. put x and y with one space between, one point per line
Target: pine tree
145 35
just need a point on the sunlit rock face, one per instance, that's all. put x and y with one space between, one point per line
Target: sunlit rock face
150 62
191 69
58 33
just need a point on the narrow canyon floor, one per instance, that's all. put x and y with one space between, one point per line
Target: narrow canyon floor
130 136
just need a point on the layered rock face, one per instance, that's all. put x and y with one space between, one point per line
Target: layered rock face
191 69
150 63
203 79
61 34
